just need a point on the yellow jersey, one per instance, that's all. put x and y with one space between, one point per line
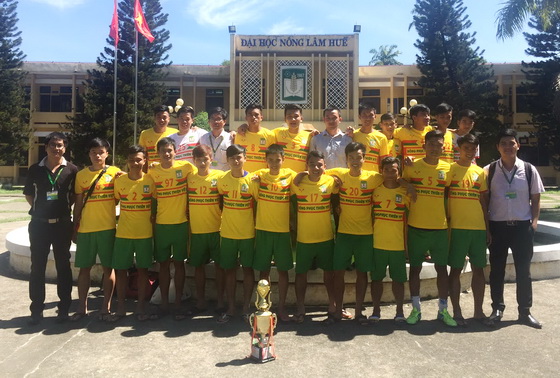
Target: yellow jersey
389 213
411 141
136 207
237 215
255 144
171 191
296 147
314 209
465 210
99 212
448 149
204 202
149 138
430 182
273 200
377 148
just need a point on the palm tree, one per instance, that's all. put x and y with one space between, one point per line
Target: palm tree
385 56
514 13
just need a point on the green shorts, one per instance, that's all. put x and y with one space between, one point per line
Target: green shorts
275 246
422 242
470 243
125 249
203 248
395 260
89 245
170 241
233 250
359 246
307 252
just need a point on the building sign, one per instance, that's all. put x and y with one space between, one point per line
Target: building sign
293 85
308 43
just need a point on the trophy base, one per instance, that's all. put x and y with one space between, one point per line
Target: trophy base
262 354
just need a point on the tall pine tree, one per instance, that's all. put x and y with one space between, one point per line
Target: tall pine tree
13 110
97 117
453 70
544 85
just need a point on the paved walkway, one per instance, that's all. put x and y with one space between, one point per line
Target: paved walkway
202 348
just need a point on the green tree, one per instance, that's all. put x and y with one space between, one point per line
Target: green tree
385 56
97 117
14 111
453 71
514 13
544 84
201 120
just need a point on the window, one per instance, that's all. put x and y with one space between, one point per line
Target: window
55 99
172 95
523 98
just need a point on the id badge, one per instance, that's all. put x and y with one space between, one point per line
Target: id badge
511 195
52 195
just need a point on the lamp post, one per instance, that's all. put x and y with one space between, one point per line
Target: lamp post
406 111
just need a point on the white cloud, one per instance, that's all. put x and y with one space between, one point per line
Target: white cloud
62 4
220 13
286 27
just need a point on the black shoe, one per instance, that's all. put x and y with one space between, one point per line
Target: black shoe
62 317
35 319
496 315
529 320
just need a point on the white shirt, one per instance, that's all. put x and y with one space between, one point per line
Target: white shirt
332 147
184 144
219 146
510 202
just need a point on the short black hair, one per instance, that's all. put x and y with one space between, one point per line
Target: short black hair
387 117
468 138
418 108
434 134
274 149
292 107
366 106
186 109
218 110
390 160
135 149
331 109
98 142
443 108
466 113
314 154
164 142
56 135
235 149
506 133
353 147
250 107
160 108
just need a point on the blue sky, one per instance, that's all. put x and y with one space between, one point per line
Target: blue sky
75 30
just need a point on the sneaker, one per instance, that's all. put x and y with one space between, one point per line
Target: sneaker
444 316
414 316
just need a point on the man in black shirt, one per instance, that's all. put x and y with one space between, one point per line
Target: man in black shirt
49 189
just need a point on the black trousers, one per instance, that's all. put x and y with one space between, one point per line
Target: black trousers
41 236
518 238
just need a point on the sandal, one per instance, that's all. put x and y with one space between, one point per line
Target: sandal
195 311
374 319
331 319
461 322
142 317
298 318
246 318
180 315
486 321
346 314
77 316
103 316
113 318
399 318
224 318
362 320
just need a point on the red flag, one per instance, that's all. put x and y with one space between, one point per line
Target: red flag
140 22
114 31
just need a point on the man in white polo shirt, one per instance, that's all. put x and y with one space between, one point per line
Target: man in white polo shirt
515 188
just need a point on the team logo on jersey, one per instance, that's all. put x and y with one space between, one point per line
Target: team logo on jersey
179 174
441 175
363 184
191 138
323 188
398 198
108 178
213 183
146 188
244 188
262 141
475 177
304 141
372 143
283 182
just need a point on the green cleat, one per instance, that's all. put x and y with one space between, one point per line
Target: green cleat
444 316
414 316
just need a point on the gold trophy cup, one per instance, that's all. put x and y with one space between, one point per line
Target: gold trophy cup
263 322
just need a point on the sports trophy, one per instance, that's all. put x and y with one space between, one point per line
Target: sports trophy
263 322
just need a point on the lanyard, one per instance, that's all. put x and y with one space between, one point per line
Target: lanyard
53 182
212 144
509 179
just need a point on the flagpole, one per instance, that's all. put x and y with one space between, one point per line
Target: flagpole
115 109
136 89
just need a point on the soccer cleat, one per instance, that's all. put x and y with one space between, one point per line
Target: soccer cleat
414 316
444 316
